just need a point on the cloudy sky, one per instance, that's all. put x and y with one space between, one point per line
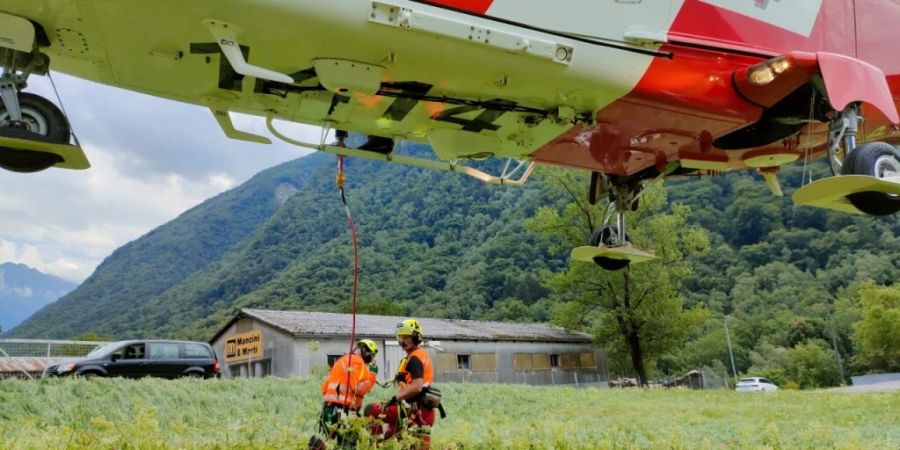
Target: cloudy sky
151 160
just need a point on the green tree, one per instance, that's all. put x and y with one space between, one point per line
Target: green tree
510 310
637 313
802 329
811 365
708 345
750 218
878 333
93 336
769 299
771 362
847 313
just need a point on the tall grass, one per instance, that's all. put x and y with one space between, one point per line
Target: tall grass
282 413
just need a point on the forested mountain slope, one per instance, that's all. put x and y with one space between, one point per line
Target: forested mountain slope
444 245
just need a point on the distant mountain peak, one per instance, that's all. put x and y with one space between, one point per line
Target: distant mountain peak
24 290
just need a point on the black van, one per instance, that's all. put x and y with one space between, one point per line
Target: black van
134 359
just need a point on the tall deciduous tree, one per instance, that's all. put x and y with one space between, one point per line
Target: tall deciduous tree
878 333
636 313
811 365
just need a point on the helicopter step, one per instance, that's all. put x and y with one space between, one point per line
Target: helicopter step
833 192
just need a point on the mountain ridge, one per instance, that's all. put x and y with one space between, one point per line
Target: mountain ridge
24 291
447 246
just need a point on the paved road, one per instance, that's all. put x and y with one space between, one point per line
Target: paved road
877 387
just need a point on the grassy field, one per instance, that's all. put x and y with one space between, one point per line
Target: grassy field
281 413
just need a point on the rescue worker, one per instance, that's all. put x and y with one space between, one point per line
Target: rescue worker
357 368
414 376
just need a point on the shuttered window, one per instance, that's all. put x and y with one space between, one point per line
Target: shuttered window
586 360
484 362
569 360
523 361
540 361
446 362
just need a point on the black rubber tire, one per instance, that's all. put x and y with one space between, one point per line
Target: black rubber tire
57 131
24 161
610 264
861 161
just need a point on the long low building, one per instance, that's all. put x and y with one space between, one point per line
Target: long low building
258 343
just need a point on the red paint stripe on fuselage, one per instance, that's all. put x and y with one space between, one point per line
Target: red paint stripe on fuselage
676 101
692 94
472 6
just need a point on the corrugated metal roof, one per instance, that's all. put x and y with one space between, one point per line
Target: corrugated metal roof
27 363
303 323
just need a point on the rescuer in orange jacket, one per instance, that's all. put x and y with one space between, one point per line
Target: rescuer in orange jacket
414 378
351 378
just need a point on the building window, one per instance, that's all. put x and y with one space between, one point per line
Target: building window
484 362
569 360
446 362
586 360
540 361
462 362
333 359
554 360
523 361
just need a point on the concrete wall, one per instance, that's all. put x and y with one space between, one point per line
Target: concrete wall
490 362
312 355
278 358
875 378
506 371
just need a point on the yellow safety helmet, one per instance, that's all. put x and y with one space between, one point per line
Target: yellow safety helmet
411 328
369 344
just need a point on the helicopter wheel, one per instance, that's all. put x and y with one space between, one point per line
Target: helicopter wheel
879 160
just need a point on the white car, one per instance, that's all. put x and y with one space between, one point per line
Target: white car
755 384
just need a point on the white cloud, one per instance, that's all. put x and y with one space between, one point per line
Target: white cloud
23 292
221 182
151 159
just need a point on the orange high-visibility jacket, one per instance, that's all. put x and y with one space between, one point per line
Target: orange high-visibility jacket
422 355
362 380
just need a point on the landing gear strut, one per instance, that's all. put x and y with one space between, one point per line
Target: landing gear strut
34 133
610 246
842 133
867 176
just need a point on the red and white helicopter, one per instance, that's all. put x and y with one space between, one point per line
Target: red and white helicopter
631 90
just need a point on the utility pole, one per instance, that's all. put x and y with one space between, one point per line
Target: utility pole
837 355
730 352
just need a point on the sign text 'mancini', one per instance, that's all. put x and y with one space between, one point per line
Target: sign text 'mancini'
243 346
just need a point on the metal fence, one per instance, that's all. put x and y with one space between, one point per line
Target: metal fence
46 348
703 378
530 377
27 358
